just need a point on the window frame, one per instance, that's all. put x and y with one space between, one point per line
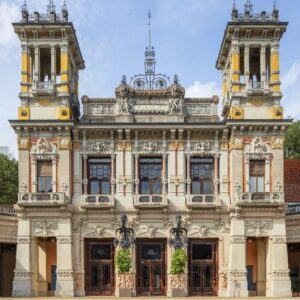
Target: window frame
256 187
44 178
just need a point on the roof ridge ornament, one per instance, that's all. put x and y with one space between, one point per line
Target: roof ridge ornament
248 6
50 7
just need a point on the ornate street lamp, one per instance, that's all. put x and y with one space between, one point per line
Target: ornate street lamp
178 234
126 234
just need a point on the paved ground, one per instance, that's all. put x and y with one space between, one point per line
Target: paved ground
145 298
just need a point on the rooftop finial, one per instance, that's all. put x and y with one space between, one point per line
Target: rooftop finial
234 5
64 6
50 7
149 25
275 5
248 6
24 6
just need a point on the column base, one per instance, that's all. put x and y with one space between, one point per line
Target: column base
22 288
237 289
124 292
177 293
279 288
64 288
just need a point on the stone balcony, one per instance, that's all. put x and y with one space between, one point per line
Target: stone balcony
203 201
98 202
150 201
42 199
263 198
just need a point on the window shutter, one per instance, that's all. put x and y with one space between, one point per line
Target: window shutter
44 168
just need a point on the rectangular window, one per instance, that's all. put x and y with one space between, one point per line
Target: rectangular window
202 172
257 176
99 176
150 175
44 176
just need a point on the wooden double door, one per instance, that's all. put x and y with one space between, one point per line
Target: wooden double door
203 267
99 270
151 267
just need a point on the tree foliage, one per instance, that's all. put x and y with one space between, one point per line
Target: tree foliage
8 178
178 261
292 141
123 260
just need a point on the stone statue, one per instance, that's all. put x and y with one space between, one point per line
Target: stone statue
176 97
124 94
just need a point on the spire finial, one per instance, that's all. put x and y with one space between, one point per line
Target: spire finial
275 5
50 7
24 6
234 5
248 6
149 25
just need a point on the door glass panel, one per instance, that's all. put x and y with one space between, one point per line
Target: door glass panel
100 251
207 277
203 251
157 274
94 276
106 278
196 276
152 251
145 278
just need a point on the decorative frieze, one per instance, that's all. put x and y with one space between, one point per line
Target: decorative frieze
23 240
237 239
23 143
64 143
124 146
198 109
277 142
64 240
44 228
258 227
102 109
236 143
44 149
65 274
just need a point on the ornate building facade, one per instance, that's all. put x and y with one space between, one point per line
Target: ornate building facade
153 154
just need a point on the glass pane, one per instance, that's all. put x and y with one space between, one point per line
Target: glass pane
145 278
48 181
156 188
106 277
94 186
260 184
196 187
152 251
105 188
196 276
157 274
100 251
202 251
41 186
252 184
207 187
144 187
207 277
95 276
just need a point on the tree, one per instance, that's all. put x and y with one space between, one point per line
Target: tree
292 141
8 178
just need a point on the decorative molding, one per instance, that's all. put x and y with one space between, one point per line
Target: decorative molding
124 180
121 146
22 274
95 147
198 109
149 231
258 227
236 143
102 109
23 143
43 228
277 142
64 240
237 239
257 149
23 240
177 180
64 143
44 149
237 275
176 145
65 274
279 240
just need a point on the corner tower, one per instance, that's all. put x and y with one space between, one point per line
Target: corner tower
249 60
51 60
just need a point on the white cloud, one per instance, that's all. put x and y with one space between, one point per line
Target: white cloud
291 91
203 90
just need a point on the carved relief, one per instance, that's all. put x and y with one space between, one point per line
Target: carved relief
198 109
124 94
150 146
237 240
277 142
125 280
64 240
44 228
23 143
236 143
176 97
124 180
102 109
224 280
177 145
258 227
124 146
98 231
149 231
201 231
98 146
43 146
64 143
177 180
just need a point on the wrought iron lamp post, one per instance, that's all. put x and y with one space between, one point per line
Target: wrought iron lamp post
178 234
126 234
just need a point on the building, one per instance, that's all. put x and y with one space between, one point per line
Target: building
154 154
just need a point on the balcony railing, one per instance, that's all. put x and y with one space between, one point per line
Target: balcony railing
203 200
151 201
264 197
97 201
7 210
293 209
43 87
42 198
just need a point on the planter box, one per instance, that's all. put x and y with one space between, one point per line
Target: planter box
178 293
124 292
125 285
178 285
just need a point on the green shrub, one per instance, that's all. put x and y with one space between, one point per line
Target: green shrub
178 261
123 260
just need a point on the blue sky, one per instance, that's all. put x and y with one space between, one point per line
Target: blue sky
113 35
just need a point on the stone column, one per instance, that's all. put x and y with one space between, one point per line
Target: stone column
33 175
247 174
246 65
237 279
267 175
188 173
279 284
164 174
113 176
53 64
263 65
23 274
216 174
261 267
85 174
65 274
77 162
235 66
54 175
37 63
137 180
